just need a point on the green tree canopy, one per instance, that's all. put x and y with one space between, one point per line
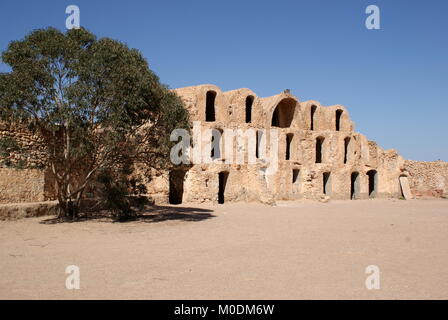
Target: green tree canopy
95 103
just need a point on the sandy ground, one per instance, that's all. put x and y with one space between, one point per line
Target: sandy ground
296 250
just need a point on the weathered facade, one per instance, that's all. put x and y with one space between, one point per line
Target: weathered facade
320 156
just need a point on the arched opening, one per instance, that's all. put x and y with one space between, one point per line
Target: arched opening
289 138
176 191
295 176
249 103
406 192
319 149
258 138
338 119
354 186
215 151
346 144
313 111
210 106
223 176
326 183
283 113
373 183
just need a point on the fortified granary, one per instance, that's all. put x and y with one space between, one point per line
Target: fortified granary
319 156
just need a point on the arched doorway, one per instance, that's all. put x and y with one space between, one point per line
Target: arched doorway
354 186
373 183
176 191
326 183
223 176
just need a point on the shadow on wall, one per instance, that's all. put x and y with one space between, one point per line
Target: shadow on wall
152 214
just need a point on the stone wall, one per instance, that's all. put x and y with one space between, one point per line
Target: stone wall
351 166
22 174
21 185
357 168
428 179
31 153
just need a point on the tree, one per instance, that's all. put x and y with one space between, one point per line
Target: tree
95 103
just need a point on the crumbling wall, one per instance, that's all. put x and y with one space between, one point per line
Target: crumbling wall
427 179
21 185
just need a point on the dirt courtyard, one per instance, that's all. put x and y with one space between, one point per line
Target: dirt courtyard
295 250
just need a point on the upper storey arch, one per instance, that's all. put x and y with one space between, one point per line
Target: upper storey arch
339 119
282 111
242 107
320 118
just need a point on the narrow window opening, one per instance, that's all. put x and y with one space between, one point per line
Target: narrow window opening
215 152
313 111
249 103
258 138
295 176
338 119
289 137
326 183
346 144
210 106
223 176
319 149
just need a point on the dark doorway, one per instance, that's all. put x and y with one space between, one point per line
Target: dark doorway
258 138
249 103
319 149
346 144
210 106
215 151
223 175
354 188
176 186
338 119
284 113
373 182
326 183
295 176
289 137
313 111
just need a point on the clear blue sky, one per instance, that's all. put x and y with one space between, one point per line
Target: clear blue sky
393 81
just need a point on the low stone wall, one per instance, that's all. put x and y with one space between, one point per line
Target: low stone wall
428 179
16 211
21 185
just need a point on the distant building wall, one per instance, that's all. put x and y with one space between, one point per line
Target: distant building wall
428 179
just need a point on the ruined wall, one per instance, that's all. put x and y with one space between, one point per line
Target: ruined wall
428 179
22 174
320 156
355 167
21 185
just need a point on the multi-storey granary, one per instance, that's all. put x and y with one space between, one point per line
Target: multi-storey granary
319 154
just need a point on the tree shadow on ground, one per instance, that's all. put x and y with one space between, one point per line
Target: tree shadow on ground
150 214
